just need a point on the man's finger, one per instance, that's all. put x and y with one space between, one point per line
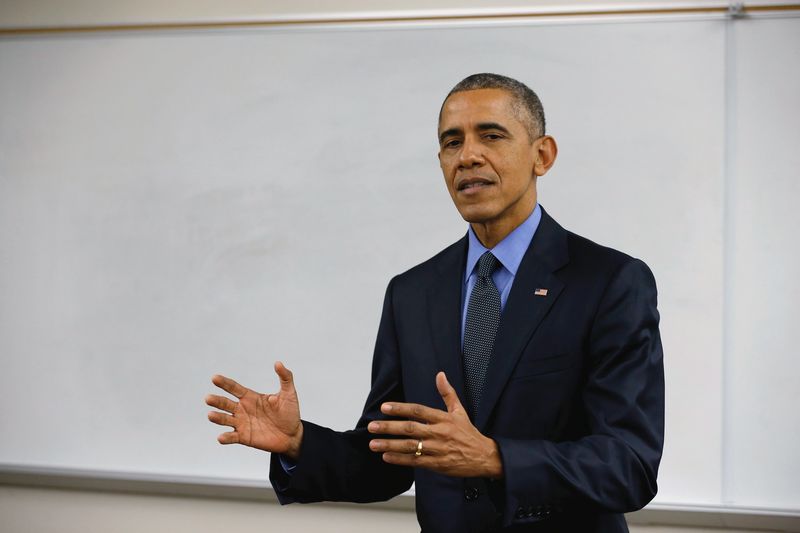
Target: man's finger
221 402
407 446
286 377
231 437
413 411
400 427
448 393
228 385
223 419
405 459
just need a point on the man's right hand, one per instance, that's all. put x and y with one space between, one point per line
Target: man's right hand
269 422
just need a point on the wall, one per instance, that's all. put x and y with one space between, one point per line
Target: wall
737 254
37 510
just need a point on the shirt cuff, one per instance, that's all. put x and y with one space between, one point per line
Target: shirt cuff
287 464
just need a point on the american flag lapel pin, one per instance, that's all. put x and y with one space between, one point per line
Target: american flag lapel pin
540 292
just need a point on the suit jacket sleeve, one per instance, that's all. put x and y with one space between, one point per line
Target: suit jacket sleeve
339 466
613 468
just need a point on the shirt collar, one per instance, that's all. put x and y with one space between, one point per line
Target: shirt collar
510 250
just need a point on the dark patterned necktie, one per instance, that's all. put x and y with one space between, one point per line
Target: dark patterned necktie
483 317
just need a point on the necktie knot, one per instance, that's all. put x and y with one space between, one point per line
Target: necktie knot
487 265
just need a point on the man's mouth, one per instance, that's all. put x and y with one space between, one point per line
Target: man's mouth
474 184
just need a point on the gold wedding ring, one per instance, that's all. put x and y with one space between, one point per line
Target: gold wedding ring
419 449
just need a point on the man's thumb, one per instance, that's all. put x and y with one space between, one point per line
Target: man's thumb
447 392
286 377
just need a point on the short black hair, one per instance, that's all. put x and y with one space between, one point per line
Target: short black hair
526 103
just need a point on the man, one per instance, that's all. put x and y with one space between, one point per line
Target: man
517 375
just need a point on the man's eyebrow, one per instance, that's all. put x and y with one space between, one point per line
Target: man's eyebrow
448 133
483 126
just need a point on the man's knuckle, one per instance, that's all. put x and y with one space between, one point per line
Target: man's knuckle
409 427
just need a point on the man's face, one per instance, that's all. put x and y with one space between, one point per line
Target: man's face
487 157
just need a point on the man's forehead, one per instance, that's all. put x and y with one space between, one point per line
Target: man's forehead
477 105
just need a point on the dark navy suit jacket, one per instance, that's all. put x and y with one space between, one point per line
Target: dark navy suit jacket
574 395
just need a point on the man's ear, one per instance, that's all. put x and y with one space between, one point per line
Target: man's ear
546 152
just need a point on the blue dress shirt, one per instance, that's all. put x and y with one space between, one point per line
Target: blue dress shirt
509 253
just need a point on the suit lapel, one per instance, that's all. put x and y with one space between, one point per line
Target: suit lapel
444 306
524 309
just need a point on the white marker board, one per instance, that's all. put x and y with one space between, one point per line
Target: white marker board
177 204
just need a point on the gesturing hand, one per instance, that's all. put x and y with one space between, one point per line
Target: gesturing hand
450 443
269 422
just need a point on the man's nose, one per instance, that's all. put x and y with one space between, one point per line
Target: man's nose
471 154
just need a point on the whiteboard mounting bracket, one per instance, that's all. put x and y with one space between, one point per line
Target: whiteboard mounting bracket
736 10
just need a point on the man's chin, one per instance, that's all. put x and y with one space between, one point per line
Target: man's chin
477 216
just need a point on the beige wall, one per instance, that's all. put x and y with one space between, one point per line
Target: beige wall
53 12
38 510
44 510
26 13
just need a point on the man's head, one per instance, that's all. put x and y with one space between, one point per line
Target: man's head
492 148
526 102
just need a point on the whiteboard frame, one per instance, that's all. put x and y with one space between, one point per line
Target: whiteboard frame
246 490
663 513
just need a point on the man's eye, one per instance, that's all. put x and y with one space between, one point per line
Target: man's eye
451 144
493 136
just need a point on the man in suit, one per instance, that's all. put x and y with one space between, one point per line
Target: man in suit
517 377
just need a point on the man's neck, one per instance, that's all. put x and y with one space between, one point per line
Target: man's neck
491 232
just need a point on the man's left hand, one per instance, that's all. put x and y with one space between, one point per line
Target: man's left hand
450 443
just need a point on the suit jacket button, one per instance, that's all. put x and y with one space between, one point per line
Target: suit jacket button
470 493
